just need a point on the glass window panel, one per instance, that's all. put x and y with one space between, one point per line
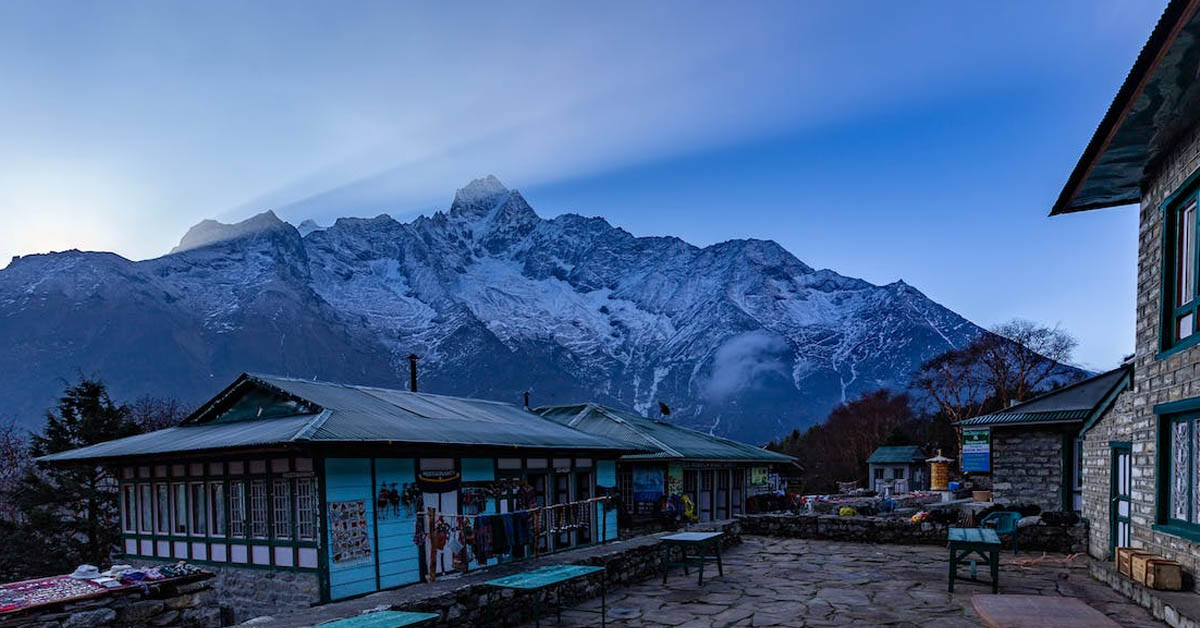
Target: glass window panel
129 507
199 510
1186 264
1180 470
237 509
282 505
163 502
306 509
216 506
1123 508
258 509
181 509
1184 326
146 507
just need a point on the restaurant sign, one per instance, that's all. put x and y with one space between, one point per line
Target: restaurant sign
977 451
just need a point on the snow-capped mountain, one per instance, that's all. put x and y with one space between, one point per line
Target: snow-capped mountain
740 338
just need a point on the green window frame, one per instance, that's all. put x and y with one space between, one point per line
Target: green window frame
1181 269
1177 510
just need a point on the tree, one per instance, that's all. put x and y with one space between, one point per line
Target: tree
1009 364
70 514
156 413
14 461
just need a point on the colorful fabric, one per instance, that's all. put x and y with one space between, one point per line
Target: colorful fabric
18 595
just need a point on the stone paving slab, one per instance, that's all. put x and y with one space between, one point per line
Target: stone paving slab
798 583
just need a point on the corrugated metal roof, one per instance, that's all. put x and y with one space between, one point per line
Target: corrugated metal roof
670 441
1066 405
897 455
353 414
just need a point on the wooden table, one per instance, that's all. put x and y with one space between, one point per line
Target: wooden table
383 619
703 545
980 541
539 580
1038 611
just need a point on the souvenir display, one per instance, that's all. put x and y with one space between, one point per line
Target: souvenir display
348 538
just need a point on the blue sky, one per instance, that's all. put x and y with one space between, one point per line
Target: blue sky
916 140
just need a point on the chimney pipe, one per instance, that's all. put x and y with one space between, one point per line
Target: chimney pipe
412 372
526 399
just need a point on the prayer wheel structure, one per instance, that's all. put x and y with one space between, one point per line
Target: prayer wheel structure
939 472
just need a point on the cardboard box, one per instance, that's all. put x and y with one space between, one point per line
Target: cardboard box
1164 574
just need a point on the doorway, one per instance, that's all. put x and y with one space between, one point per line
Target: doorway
1120 491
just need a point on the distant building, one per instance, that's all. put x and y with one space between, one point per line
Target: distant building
717 473
1035 447
296 492
898 469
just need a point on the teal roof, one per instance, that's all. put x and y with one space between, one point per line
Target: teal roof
902 454
263 410
669 441
1070 404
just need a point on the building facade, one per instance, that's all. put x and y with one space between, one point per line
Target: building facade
297 492
718 475
1142 462
897 469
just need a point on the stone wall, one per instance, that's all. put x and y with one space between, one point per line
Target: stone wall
1027 466
1155 380
245 592
899 531
1176 609
188 602
1097 468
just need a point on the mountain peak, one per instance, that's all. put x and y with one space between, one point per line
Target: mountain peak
479 196
208 231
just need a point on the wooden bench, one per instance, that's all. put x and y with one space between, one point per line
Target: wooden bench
984 542
383 619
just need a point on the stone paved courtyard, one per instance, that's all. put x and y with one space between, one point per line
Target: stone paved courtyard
801 583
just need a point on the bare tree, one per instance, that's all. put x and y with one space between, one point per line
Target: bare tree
155 413
1009 364
14 461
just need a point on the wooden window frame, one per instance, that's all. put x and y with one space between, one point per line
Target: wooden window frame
1175 305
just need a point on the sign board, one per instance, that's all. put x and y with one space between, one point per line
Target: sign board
647 484
977 450
674 479
758 476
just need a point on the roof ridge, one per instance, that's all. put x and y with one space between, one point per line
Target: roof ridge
1056 391
621 420
312 426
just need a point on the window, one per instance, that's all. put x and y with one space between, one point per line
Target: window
146 508
199 510
216 507
281 500
258 509
1179 495
898 473
181 509
878 473
237 508
306 509
162 501
129 508
1180 263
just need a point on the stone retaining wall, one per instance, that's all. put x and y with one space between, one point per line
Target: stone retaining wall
896 530
1179 609
479 605
184 603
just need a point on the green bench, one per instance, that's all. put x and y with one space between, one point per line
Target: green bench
702 545
540 580
983 542
383 619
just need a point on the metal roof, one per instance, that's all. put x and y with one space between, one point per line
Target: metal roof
900 454
338 413
1069 404
670 441
1159 100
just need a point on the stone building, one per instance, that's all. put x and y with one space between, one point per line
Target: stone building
899 469
1142 461
295 492
1036 448
718 474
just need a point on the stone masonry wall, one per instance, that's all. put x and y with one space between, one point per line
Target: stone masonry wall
185 603
245 592
1156 381
1027 466
1097 469
895 530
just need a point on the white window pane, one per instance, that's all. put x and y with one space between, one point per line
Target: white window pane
1186 265
181 509
306 509
216 506
163 502
282 503
1184 327
237 509
1123 508
258 508
199 510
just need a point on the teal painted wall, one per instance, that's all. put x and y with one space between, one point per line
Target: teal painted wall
349 479
398 555
606 476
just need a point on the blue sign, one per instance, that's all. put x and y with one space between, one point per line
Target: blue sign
977 451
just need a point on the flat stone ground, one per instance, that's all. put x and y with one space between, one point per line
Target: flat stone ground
802 583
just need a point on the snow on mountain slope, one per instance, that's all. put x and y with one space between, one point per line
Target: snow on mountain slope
739 337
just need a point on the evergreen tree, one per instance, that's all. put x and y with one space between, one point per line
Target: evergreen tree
70 514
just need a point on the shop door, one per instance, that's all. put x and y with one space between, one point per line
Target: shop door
1119 507
586 513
